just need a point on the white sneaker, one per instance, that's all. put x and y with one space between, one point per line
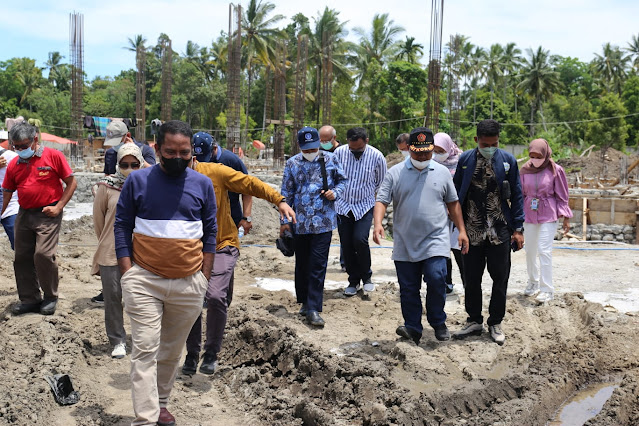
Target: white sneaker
352 291
531 289
544 297
497 334
119 351
368 287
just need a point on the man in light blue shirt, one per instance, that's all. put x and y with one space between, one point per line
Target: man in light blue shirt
311 183
365 168
423 196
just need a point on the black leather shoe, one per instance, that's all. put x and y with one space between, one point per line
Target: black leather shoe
313 318
190 363
48 307
23 308
441 332
407 333
209 364
303 310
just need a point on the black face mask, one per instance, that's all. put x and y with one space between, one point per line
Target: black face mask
175 166
357 153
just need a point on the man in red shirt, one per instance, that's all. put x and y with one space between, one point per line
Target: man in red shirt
36 174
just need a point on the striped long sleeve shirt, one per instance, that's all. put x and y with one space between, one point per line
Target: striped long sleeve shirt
365 176
164 223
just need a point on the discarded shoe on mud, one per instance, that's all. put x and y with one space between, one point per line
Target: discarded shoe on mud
63 389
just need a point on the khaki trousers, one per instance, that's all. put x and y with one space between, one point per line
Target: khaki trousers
35 264
162 312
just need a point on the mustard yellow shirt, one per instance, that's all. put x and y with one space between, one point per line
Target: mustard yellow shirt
226 179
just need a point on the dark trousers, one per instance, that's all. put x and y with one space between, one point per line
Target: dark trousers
35 264
410 275
353 236
449 267
497 259
311 258
219 295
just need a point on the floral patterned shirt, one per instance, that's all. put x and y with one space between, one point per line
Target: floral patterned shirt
484 218
302 185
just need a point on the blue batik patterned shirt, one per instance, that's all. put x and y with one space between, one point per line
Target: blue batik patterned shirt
302 186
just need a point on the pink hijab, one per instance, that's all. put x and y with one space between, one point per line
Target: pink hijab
536 165
444 141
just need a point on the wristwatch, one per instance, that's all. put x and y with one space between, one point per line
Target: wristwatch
516 229
247 218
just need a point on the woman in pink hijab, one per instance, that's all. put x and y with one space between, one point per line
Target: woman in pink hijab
447 153
545 200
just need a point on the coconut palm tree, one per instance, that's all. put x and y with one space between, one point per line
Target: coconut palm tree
493 64
610 67
53 63
378 44
28 75
511 59
539 82
260 39
633 49
410 51
327 25
477 73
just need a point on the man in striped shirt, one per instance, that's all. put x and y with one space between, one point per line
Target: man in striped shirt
165 237
365 168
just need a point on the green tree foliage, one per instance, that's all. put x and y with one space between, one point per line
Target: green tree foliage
630 98
379 81
610 132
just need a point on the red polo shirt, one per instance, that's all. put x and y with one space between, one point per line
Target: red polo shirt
38 181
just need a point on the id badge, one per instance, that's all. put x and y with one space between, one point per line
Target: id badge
534 204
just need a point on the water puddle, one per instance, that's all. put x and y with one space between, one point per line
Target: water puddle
278 284
584 405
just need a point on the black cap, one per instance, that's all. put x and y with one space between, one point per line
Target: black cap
421 139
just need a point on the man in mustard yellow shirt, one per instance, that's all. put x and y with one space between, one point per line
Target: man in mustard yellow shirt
220 289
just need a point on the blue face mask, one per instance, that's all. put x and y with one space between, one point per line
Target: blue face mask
26 153
488 152
326 146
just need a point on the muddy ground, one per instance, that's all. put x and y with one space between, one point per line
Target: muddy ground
276 370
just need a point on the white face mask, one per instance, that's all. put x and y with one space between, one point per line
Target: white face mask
440 158
310 156
124 172
405 153
421 165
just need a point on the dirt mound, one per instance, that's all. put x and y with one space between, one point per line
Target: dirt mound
266 223
294 381
394 158
276 370
598 164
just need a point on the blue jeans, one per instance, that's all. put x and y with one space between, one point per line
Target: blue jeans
7 224
353 237
311 258
409 275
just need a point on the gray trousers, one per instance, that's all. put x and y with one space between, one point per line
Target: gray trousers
113 316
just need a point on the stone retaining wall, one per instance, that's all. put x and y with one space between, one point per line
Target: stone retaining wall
85 181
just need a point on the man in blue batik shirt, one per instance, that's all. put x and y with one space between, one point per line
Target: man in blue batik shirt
314 205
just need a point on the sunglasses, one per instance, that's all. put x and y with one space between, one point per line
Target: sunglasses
125 166
22 147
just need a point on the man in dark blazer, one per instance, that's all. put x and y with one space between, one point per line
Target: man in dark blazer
489 191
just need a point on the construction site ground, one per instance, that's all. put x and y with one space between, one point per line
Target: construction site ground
277 370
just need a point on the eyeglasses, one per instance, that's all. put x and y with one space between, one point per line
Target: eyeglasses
22 147
125 166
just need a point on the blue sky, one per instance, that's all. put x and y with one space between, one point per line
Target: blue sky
567 27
